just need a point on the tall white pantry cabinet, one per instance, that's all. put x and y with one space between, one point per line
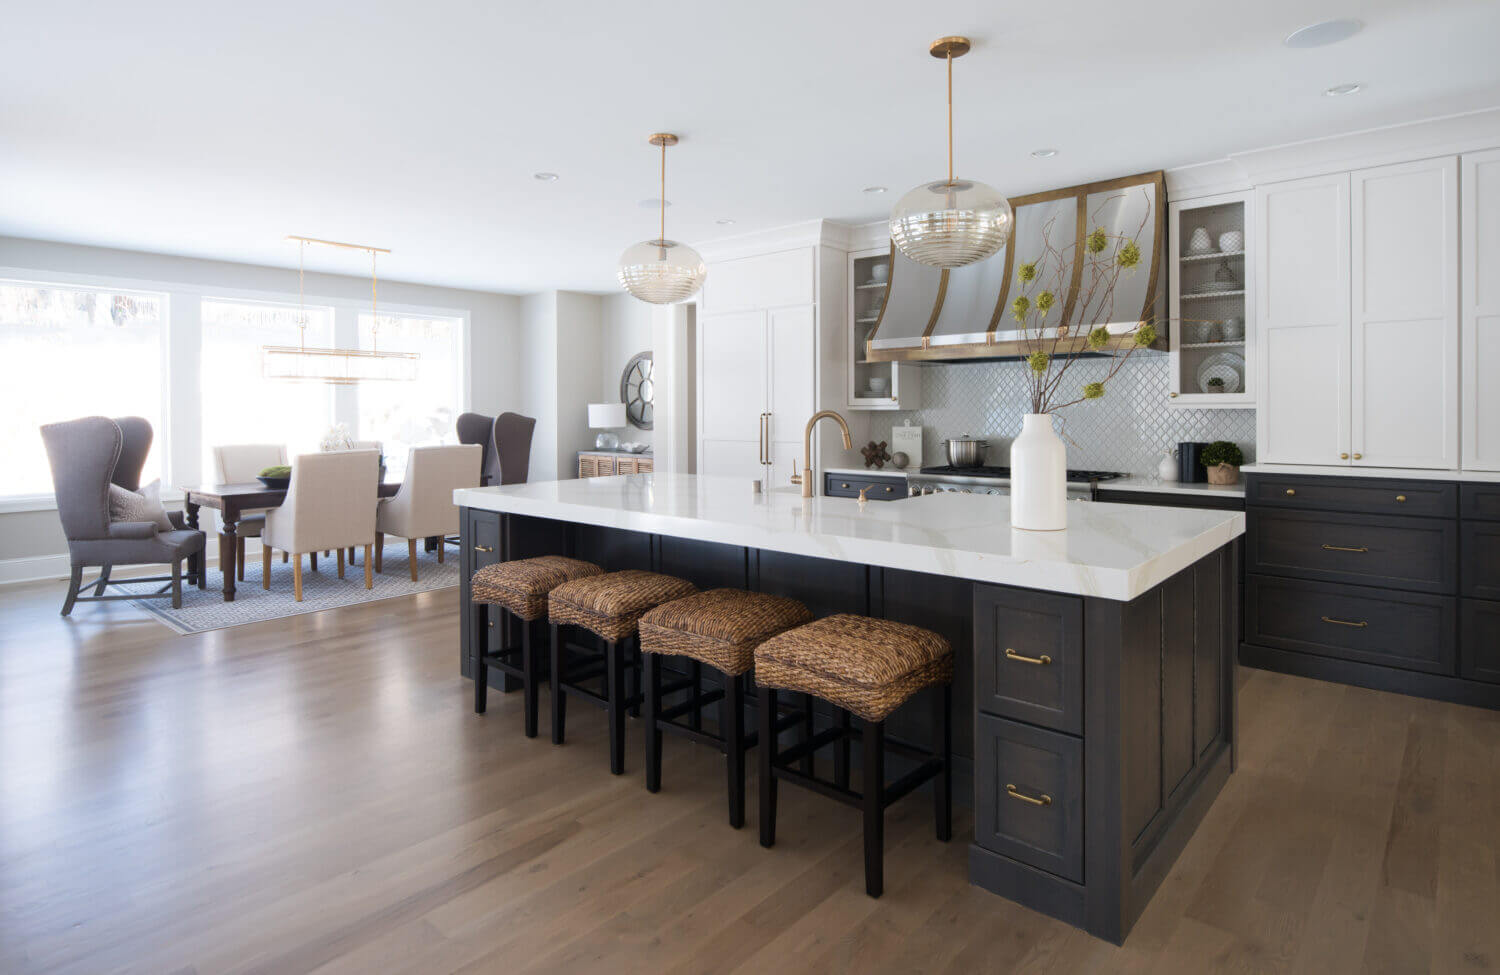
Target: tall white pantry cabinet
768 346
1359 317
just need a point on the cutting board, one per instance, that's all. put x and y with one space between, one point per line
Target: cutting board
908 440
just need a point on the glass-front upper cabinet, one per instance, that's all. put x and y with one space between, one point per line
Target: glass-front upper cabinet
1212 291
875 384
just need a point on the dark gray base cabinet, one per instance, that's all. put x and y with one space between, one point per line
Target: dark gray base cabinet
1380 582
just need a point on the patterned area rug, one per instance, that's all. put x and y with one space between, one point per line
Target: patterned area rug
205 609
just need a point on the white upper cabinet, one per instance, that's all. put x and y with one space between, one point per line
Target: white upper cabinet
1302 308
760 281
1481 311
1404 233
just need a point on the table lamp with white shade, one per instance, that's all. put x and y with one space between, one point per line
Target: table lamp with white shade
606 417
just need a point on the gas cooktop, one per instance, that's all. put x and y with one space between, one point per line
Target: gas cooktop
999 473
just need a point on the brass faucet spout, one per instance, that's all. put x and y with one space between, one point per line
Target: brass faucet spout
807 481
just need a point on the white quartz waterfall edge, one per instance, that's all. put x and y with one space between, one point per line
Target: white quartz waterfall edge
1114 551
205 609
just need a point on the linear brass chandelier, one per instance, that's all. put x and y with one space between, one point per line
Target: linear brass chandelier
951 222
662 271
338 367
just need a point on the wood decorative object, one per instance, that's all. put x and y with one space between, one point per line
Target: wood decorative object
876 455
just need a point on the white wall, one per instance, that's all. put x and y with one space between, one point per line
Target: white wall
625 329
31 541
536 358
578 368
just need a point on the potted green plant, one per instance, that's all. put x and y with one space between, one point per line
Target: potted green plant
1215 384
1223 460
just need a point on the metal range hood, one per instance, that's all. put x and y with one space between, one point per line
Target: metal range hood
932 315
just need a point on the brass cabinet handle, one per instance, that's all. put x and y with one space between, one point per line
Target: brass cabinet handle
1291 492
844 485
1343 548
1343 456
1174 395
1359 624
1359 456
1400 499
889 489
483 548
1043 660
1014 793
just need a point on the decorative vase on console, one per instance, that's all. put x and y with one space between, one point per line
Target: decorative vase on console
1038 457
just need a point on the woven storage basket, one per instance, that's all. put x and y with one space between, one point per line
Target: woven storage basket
721 627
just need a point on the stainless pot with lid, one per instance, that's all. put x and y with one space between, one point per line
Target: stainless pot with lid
965 451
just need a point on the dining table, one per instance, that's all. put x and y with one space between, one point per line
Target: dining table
231 501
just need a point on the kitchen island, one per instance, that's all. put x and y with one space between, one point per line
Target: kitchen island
1099 661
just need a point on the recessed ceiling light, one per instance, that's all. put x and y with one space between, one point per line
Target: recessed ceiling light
1323 33
653 203
1044 153
724 222
874 189
1347 89
545 177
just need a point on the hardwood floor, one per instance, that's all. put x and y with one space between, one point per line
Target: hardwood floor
315 794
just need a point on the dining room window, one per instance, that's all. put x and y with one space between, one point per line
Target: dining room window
68 352
240 405
402 414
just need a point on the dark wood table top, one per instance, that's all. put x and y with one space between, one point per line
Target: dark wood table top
252 494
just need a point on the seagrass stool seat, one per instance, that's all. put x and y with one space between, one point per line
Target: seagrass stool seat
720 628
868 668
519 590
610 607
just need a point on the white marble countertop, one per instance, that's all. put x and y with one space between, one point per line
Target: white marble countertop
1114 551
1479 477
1151 485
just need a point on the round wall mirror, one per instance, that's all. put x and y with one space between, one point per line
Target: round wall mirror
637 390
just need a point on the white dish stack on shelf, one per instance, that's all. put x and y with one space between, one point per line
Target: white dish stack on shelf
872 380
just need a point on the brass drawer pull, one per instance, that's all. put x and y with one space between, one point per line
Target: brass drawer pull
889 489
1343 548
844 486
483 548
1360 624
1043 660
1014 793
1291 492
1400 499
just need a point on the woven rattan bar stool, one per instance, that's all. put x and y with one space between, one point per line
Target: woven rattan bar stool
609 606
720 628
519 591
868 668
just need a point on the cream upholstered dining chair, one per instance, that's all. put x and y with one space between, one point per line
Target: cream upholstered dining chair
423 506
330 505
240 464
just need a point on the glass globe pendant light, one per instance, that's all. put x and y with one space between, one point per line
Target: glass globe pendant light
952 222
662 271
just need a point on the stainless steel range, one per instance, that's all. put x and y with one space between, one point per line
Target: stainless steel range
996 480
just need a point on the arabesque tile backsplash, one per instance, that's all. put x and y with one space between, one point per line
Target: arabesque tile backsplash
1125 431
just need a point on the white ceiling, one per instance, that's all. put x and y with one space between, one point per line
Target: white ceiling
212 130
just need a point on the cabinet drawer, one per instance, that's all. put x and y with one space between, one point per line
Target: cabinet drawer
1480 502
1029 657
1435 499
1403 553
1411 630
484 531
1479 566
848 486
1479 645
1028 795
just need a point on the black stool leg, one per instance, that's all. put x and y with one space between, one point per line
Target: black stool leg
807 732
528 676
652 664
942 787
767 745
841 753
733 733
695 670
633 677
479 630
872 745
615 694
559 700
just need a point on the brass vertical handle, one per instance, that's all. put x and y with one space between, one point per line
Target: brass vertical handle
483 548
1014 793
1042 660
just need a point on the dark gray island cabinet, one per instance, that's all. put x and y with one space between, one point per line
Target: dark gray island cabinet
1099 660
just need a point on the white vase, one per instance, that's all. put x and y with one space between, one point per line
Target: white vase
1038 477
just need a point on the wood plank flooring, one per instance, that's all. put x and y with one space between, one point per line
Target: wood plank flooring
315 795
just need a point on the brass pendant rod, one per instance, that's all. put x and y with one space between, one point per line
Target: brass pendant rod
663 201
337 243
949 59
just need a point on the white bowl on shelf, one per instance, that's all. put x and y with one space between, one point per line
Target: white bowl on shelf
879 385
1231 242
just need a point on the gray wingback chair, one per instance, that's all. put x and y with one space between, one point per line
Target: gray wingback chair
513 447
86 456
480 429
